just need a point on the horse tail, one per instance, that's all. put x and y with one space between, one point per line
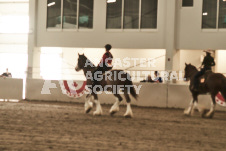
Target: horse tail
132 90
223 90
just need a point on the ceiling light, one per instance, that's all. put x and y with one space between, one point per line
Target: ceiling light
51 4
111 1
205 14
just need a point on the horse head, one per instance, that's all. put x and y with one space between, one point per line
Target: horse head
83 62
188 71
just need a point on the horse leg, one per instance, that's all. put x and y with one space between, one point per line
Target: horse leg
212 108
190 108
115 107
98 106
88 104
197 106
129 112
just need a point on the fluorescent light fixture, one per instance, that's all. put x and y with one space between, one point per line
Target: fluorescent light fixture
51 50
51 4
10 1
111 1
205 14
14 24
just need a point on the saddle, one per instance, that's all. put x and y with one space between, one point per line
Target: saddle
203 78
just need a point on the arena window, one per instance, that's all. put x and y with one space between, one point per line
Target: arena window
70 14
222 14
187 3
132 14
213 14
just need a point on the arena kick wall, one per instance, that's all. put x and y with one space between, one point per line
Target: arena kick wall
11 88
151 95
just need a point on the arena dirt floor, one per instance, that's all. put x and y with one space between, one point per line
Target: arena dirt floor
64 126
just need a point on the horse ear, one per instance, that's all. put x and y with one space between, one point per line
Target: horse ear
186 64
78 54
83 54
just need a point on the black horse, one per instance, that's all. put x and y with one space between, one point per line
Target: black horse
214 83
113 80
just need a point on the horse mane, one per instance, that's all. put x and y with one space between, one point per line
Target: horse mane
86 59
191 67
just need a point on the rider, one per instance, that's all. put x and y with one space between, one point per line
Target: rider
105 62
208 62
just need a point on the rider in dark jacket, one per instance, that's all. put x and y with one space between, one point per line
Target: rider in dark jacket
207 63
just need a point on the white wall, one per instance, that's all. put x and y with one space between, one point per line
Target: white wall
189 32
98 36
221 61
14 23
190 56
14 37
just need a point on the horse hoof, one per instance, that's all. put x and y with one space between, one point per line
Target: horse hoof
128 116
97 113
187 113
210 115
88 107
112 113
88 110
203 113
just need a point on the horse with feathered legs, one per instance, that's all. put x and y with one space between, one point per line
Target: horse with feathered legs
108 81
214 83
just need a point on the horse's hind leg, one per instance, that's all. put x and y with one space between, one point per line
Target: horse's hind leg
88 104
98 106
129 112
115 107
212 108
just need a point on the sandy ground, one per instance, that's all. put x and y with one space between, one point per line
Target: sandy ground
64 126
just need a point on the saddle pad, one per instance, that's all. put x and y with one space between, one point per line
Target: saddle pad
220 100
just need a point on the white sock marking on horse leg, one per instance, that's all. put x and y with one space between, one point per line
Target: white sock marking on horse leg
212 109
198 107
115 107
98 108
188 111
129 112
88 105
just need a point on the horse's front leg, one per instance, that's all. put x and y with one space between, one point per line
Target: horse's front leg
88 103
190 108
98 106
193 102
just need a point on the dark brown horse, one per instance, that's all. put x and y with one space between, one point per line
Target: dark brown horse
113 80
214 83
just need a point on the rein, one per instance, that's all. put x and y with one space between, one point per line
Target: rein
144 62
